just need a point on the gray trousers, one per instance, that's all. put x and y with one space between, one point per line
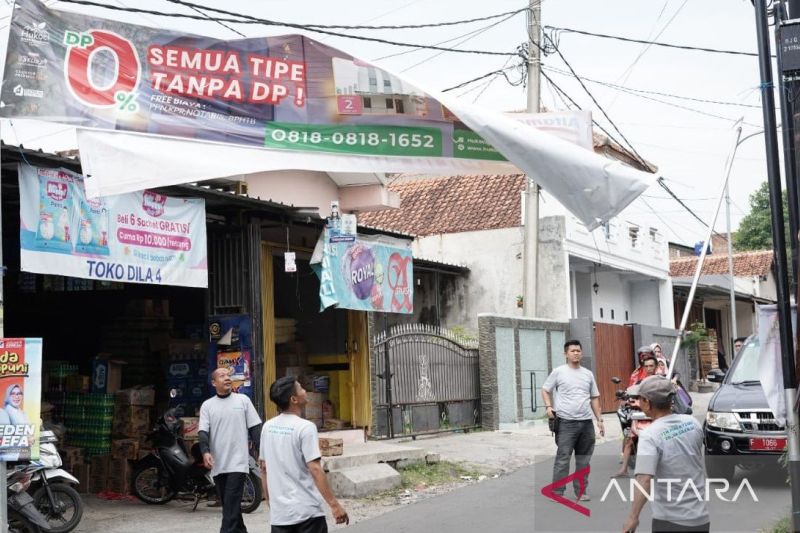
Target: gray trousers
574 436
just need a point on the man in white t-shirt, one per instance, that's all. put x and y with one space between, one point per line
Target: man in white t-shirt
294 481
227 421
670 457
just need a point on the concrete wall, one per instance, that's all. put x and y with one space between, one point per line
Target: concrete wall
553 289
294 187
612 298
494 258
645 303
516 356
582 290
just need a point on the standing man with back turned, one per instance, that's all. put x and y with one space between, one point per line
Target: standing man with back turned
294 481
226 422
576 399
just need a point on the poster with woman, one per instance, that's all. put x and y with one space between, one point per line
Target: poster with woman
21 390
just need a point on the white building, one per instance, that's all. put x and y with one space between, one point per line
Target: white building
618 274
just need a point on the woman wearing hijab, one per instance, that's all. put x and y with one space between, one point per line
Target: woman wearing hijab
13 405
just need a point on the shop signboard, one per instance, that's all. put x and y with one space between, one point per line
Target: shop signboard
21 387
273 103
365 275
139 237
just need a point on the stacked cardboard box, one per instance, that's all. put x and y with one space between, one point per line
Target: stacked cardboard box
83 473
125 449
331 447
71 457
119 476
131 421
98 473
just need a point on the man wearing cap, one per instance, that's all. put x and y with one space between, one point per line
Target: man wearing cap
576 399
670 457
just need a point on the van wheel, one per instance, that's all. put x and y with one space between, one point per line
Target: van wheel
720 467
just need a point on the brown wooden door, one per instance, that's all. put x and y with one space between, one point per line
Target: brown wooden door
613 356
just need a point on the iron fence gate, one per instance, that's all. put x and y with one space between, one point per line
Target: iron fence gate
432 383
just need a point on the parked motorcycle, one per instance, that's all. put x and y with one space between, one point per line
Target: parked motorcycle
23 517
169 471
52 488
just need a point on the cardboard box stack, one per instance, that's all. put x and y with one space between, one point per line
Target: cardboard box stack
186 369
119 476
330 447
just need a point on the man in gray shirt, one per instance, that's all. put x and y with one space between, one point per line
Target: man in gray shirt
226 422
576 398
670 457
294 481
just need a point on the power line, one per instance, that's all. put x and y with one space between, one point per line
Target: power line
653 43
466 39
596 103
247 19
669 95
483 77
234 30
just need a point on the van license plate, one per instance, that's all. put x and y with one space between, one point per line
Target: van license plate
767 445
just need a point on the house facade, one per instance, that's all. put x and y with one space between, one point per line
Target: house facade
617 274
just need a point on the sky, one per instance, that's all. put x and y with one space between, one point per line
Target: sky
689 146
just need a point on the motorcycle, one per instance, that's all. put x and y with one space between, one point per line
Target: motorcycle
631 418
23 517
170 472
52 488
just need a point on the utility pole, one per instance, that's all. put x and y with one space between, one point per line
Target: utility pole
734 332
779 244
530 251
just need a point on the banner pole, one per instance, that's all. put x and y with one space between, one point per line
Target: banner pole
3 474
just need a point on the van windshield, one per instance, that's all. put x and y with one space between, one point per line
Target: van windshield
746 365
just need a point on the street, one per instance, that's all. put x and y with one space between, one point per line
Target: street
514 503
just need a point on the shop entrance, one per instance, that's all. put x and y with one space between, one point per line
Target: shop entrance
326 351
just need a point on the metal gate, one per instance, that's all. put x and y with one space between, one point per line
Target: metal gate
432 384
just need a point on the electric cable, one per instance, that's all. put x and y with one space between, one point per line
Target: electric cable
247 19
654 43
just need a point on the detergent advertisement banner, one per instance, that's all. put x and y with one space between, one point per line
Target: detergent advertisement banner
365 275
21 387
140 237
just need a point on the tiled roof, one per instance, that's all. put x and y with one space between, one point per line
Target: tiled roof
452 204
758 263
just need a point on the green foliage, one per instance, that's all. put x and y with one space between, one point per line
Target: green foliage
435 474
784 525
697 333
755 229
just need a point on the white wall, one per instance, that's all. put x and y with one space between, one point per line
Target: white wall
300 188
494 258
613 294
645 303
583 295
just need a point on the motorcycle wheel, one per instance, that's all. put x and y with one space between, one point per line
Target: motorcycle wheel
147 486
252 495
65 512
19 524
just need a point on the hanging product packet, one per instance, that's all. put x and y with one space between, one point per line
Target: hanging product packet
93 223
56 211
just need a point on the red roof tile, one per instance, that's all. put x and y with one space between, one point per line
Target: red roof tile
758 263
452 204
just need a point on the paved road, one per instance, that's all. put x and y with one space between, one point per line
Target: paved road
513 503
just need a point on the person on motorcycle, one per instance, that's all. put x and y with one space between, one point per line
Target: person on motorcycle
649 364
640 373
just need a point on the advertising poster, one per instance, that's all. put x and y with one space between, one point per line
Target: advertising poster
230 345
140 237
364 275
21 387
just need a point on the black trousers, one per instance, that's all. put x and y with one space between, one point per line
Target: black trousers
574 436
230 488
665 526
312 525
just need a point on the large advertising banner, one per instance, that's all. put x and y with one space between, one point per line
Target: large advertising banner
364 275
21 387
287 92
140 237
